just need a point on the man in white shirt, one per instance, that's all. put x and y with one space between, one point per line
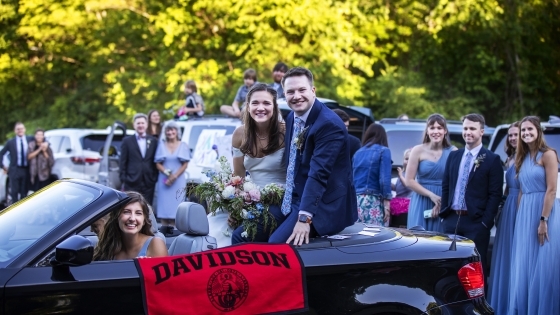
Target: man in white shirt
472 187
18 171
137 169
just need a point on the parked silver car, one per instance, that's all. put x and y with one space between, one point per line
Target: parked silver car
77 152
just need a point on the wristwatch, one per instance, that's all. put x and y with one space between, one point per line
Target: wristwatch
304 218
543 218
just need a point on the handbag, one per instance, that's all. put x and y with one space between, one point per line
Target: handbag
399 205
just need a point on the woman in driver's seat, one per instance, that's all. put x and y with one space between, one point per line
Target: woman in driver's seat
128 234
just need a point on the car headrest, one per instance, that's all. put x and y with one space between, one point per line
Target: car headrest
191 219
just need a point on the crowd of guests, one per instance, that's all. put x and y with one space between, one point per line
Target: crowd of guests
30 162
459 191
332 181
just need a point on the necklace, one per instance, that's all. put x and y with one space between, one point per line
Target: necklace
261 138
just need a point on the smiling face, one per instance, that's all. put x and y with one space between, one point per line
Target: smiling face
513 134
39 136
300 95
155 118
472 133
132 219
170 133
261 106
19 130
529 132
436 132
140 125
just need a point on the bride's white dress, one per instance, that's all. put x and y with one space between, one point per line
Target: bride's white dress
263 171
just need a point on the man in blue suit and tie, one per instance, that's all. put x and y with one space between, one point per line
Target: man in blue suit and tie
320 197
18 172
472 188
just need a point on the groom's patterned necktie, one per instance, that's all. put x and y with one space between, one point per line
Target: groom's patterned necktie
287 202
464 181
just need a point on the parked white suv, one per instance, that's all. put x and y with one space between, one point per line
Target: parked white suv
77 152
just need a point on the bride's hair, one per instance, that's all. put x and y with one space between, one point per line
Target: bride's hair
275 130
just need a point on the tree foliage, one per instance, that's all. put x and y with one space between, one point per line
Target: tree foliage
85 63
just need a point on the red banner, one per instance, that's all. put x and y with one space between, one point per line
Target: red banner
243 279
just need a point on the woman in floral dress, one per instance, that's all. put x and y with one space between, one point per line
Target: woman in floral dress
372 177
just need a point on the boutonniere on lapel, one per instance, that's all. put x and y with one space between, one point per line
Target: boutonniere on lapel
479 160
148 141
300 138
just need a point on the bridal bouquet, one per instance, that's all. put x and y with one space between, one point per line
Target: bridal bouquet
244 200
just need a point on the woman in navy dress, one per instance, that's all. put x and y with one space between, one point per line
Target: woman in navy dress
535 270
501 254
425 173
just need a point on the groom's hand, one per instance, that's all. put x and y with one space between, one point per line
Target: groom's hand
300 233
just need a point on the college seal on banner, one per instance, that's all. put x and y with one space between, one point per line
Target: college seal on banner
227 289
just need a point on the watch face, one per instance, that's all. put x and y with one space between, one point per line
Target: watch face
302 218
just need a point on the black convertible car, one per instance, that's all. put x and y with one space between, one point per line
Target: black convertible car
392 272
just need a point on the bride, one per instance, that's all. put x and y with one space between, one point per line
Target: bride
258 147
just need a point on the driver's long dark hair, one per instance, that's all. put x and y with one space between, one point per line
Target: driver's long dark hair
276 128
110 240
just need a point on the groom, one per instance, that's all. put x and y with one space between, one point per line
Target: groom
472 188
320 197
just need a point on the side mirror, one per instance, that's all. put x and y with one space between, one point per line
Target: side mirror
75 251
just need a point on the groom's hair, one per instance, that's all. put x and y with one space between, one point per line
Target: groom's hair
298 72
475 118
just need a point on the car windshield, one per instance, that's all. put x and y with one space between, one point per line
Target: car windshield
29 220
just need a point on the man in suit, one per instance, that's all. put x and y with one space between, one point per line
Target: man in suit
137 169
18 173
320 198
277 74
472 187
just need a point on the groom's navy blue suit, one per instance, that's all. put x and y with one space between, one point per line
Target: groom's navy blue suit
323 180
482 197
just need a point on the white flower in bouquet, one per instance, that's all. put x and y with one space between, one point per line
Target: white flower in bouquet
228 192
244 234
248 186
244 214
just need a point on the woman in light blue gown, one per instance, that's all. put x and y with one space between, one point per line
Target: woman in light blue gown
535 270
425 174
172 157
501 254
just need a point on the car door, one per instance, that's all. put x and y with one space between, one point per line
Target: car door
110 287
109 168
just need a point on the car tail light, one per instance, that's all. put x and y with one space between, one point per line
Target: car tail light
84 160
472 279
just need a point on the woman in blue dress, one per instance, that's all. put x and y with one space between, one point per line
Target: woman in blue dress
425 173
501 254
172 157
535 270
